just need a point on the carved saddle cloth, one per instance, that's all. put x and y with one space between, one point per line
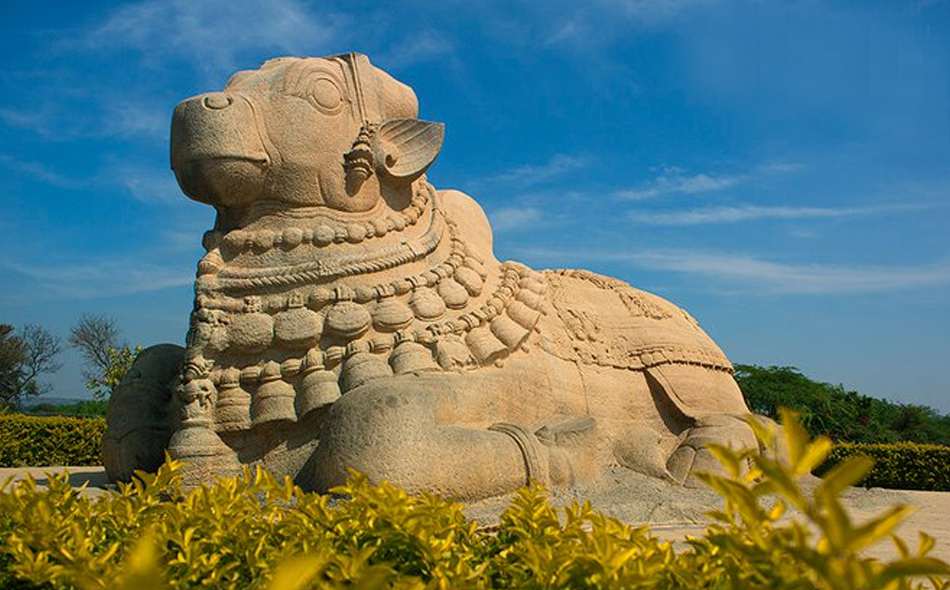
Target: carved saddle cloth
607 322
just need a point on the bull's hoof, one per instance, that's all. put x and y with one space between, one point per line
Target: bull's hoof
693 456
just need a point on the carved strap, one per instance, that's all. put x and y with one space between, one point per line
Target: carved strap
536 468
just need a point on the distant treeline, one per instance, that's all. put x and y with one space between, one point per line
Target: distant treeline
838 413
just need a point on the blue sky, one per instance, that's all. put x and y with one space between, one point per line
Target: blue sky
780 169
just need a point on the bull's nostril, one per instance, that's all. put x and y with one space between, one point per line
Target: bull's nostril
217 101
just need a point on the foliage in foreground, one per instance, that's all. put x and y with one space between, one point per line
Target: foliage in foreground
255 532
906 466
49 440
833 411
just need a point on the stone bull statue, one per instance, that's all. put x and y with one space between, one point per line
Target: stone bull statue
347 314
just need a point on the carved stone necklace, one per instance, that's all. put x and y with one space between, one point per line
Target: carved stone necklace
328 231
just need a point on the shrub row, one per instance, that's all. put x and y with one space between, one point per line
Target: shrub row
905 466
49 440
256 532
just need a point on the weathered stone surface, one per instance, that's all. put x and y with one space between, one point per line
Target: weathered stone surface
349 315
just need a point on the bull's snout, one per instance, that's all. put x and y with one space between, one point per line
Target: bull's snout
217 148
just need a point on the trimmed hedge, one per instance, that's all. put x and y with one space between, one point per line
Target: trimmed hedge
29 441
903 466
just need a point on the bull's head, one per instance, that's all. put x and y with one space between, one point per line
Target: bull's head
303 132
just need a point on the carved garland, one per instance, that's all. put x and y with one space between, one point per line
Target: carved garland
288 390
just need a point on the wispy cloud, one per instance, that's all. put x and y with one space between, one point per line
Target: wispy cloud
745 273
587 25
511 218
99 278
673 180
39 121
41 172
148 184
711 215
124 118
531 174
128 119
214 33
653 11
419 46
742 271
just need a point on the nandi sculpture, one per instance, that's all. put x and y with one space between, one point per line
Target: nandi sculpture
348 314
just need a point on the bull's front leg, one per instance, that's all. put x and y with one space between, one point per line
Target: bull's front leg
390 431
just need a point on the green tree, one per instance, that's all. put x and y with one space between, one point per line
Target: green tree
841 414
96 337
25 358
119 360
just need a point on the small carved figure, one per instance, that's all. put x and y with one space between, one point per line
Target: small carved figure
350 315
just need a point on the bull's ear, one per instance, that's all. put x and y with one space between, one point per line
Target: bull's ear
405 148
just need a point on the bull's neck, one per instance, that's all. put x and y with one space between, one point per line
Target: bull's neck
294 247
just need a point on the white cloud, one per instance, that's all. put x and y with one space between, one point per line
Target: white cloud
531 174
127 119
39 121
673 180
711 215
419 46
41 172
101 278
212 34
123 118
589 25
509 218
741 272
653 12
147 184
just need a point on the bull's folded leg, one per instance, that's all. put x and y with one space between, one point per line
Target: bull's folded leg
393 435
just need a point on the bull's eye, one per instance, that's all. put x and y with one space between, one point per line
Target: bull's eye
326 96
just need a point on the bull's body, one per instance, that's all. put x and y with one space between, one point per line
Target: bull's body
334 329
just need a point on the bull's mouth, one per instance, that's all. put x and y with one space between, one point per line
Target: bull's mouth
262 159
221 179
193 159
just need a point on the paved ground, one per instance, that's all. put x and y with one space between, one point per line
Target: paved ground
673 512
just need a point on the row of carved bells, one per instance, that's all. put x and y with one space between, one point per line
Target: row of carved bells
277 399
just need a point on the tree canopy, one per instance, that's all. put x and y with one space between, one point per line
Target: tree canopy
839 413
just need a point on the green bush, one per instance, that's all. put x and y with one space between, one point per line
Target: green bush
49 440
256 532
904 466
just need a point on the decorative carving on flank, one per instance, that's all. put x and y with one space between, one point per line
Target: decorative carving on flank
637 343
